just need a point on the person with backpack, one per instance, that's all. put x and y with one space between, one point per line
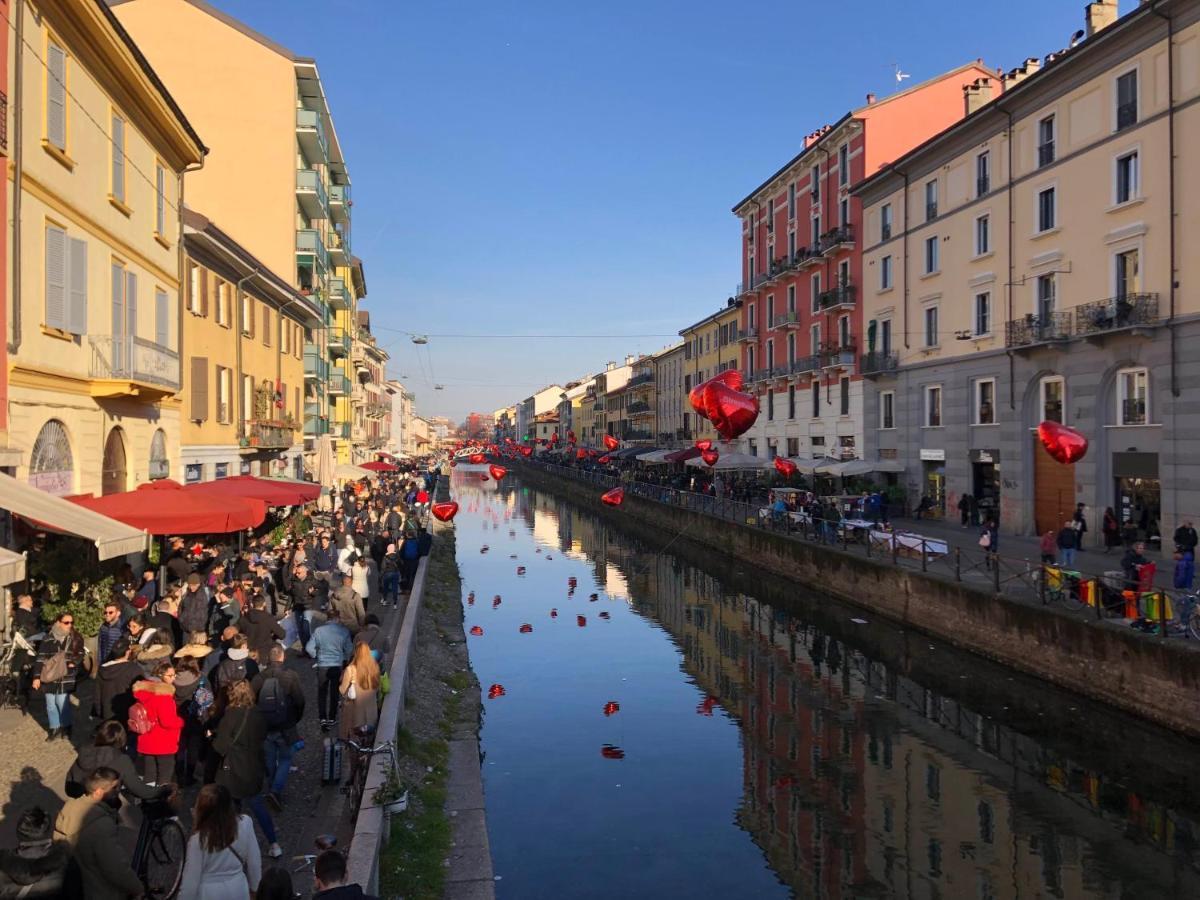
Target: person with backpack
389 574
410 556
194 700
60 657
155 720
349 605
281 702
237 664
193 605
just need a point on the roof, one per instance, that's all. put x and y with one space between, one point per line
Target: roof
854 113
724 310
233 23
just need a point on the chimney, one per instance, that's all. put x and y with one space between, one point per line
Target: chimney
610 366
629 360
1019 74
1099 15
977 94
870 99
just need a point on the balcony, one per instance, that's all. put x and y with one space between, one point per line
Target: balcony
339 203
316 367
339 342
338 384
339 248
804 364
339 297
839 356
269 435
311 135
309 244
748 334
125 366
785 320
807 256
315 425
310 194
842 296
877 363
1116 314
639 380
638 434
754 284
1033 330
639 409
837 239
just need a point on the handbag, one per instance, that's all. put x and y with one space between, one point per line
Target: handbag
226 766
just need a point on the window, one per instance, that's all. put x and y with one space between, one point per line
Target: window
814 338
791 349
750 354
751 318
844 165
247 398
814 285
843 273
160 200
887 409
983 237
1127 99
1127 177
1045 147
885 273
983 173
1133 396
931 326
844 332
770 355
771 216
885 336
1052 390
983 314
816 232
791 414
770 406
931 255
162 318
844 211
66 281
118 158
1128 274
224 386
931 200
1046 209
222 296
885 222
56 96
791 298
1046 298
791 245
814 183
985 401
197 290
770 310
933 406
816 399
844 390
792 200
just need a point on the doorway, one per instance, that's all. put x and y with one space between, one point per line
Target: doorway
113 478
1053 490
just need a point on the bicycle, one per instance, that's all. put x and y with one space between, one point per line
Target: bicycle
360 762
307 860
161 847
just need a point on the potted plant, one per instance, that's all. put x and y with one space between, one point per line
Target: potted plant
392 795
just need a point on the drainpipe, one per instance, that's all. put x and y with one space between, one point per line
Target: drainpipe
1171 186
14 341
181 263
1012 360
240 391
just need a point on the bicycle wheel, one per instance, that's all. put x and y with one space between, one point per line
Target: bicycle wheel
164 860
1193 623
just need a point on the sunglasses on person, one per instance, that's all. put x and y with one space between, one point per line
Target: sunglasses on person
68 621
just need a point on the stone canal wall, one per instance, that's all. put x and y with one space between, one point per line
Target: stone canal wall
1150 677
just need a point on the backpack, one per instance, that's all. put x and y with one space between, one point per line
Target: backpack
202 700
193 610
273 704
139 718
231 670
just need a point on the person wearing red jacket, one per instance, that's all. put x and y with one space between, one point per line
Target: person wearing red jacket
159 745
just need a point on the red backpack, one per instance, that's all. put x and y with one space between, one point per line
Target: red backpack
139 719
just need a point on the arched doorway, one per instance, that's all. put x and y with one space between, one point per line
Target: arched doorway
114 476
51 467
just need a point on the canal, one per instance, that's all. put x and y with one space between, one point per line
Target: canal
675 726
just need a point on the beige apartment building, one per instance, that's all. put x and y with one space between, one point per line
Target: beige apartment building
1032 263
370 399
670 398
95 330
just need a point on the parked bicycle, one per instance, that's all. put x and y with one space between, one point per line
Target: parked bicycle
362 751
159 854
307 860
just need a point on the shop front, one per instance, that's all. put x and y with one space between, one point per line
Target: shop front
1138 495
985 483
933 483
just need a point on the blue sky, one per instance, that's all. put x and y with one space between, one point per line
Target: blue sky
554 168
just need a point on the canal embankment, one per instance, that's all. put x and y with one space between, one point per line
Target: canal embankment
1152 678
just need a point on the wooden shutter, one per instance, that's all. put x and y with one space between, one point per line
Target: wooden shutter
131 305
204 292
118 157
56 96
162 319
266 326
56 277
199 388
77 271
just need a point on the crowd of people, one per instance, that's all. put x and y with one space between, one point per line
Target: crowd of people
196 682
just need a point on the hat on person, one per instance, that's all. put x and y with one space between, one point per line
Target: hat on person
237 653
153 652
199 651
193 580
34 826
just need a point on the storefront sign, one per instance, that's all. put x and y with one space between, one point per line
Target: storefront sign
193 473
887 453
245 467
985 456
933 455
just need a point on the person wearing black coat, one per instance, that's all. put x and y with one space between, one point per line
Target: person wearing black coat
306 595
114 681
239 740
61 679
108 749
260 628
27 626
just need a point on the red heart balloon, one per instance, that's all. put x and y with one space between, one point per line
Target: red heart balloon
611 707
710 457
581 621
731 412
581 454
476 630
615 497
526 629
476 458
498 472
482 477
731 378
1065 444
496 690
520 570
444 512
554 613
527 451
604 460
785 467
570 435
611 442
705 444
453 463
608 751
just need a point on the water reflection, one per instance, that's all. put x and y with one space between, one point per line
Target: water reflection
873 764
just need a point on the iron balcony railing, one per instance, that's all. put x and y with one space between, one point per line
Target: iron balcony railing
839 354
1045 153
983 184
804 364
1122 311
338 384
1038 329
784 319
121 357
271 435
1127 114
837 237
930 211
1133 412
885 232
877 362
638 434
748 334
636 409
644 378
842 295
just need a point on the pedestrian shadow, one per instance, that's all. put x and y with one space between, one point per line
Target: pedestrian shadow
29 790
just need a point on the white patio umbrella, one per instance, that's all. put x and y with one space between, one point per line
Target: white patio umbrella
732 461
865 467
347 472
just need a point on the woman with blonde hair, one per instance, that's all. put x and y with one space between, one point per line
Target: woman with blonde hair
359 689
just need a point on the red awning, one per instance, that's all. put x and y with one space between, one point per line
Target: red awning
682 455
165 507
379 466
273 493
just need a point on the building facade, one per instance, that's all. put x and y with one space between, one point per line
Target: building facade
243 352
370 400
1050 284
542 401
801 318
403 410
94 373
710 347
673 418
641 403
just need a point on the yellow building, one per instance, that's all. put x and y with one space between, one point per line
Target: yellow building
278 180
1049 239
243 407
710 346
95 367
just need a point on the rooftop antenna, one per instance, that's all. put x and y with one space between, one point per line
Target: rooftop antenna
900 76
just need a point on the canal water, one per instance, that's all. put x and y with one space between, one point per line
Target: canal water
685 728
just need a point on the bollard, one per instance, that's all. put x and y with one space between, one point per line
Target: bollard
1096 594
958 563
924 557
1042 585
895 551
996 571
1162 614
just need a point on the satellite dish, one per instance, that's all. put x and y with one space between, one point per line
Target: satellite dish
420 339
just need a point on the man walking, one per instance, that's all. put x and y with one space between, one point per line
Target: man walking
281 702
332 647
1067 538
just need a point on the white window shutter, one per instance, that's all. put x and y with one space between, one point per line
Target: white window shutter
56 97
77 311
131 306
56 277
162 319
118 158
